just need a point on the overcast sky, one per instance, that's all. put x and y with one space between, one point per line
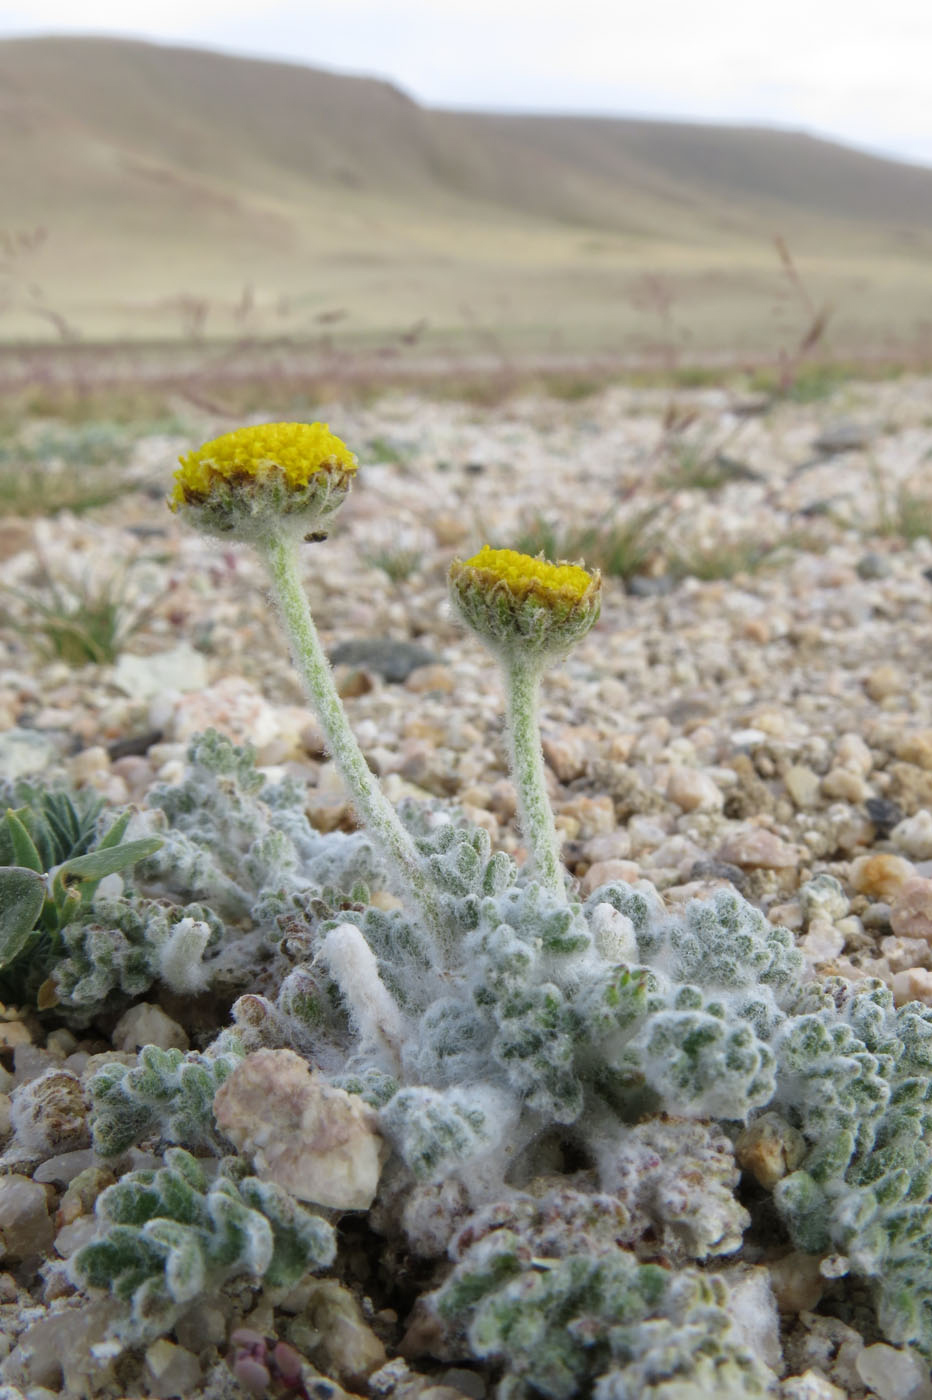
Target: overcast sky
857 70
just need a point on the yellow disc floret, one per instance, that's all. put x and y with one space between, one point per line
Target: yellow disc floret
521 574
254 483
293 451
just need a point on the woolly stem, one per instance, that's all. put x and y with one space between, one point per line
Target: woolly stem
280 556
522 687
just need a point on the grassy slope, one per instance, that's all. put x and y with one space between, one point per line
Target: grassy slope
160 172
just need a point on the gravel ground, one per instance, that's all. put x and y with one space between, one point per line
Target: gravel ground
757 729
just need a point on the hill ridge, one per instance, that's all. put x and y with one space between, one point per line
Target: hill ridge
170 170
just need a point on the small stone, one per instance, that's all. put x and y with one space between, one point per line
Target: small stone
75 1236
328 805
885 815
607 872
349 1350
716 871
392 660
26 1228
142 677
802 785
840 784
902 954
893 1374
645 834
613 845
426 679
233 706
677 853
29 1061
55 1350
595 816
147 1024
88 765
170 1370
769 1149
873 566
693 790
82 1193
60 1042
351 682
883 681
822 942
852 752
911 911
841 435
788 915
202 1324
449 530
917 748
756 629
650 586
797 1282
880 876
318 1142
758 848
49 1115
64 1166
914 984
25 751
468 1383
567 753
811 1385
913 835
14 1034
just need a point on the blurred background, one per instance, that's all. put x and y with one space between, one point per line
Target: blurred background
369 185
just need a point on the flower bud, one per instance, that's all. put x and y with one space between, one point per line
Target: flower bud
513 600
254 482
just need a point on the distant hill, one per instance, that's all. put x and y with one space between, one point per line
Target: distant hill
187 192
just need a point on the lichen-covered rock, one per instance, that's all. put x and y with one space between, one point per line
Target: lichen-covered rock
318 1142
677 1178
49 1115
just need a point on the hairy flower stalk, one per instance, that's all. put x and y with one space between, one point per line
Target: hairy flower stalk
280 557
271 486
529 613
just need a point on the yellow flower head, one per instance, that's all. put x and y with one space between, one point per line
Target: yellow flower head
514 599
250 482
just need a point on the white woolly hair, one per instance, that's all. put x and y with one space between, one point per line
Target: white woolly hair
373 1009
